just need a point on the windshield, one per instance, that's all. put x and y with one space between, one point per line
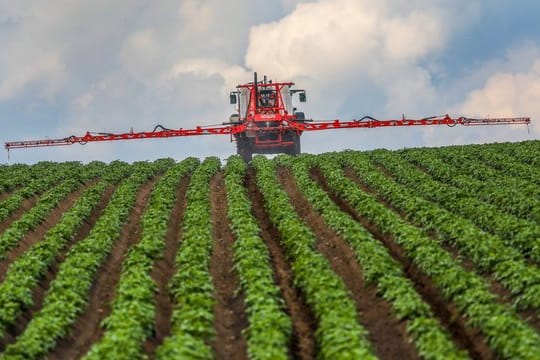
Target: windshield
267 98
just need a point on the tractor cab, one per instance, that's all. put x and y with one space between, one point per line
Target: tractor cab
266 110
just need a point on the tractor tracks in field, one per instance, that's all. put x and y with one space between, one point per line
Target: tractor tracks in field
462 334
387 334
87 328
303 345
230 317
39 292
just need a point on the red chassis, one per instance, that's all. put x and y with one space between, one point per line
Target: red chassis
266 122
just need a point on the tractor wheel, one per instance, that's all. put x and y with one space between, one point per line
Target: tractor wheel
243 148
294 149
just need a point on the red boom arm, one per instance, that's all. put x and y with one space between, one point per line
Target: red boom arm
307 125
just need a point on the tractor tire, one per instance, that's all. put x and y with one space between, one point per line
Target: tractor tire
295 148
243 148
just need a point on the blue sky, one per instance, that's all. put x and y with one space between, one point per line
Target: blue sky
67 67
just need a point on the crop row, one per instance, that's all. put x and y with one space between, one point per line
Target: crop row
505 199
67 296
515 232
50 177
507 164
191 287
487 252
133 311
50 199
20 174
525 151
338 334
379 269
25 272
465 162
269 330
506 333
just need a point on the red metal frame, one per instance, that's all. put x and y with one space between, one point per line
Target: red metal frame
254 123
287 124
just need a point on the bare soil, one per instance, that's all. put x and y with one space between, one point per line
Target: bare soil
87 330
463 335
386 333
39 232
164 269
38 294
5 195
26 205
303 345
229 311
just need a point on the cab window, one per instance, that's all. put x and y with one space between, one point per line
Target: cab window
267 98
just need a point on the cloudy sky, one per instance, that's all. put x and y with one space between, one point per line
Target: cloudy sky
70 66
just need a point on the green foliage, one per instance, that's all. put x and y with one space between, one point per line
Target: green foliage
489 253
507 198
466 290
269 330
68 292
379 269
50 199
191 287
42 180
339 334
132 317
481 199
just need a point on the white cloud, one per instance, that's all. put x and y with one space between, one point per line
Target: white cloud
113 66
47 68
332 37
338 48
509 94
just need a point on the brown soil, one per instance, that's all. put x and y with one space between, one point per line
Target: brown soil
164 269
386 333
229 311
505 296
26 205
303 345
5 195
87 330
463 335
38 294
39 232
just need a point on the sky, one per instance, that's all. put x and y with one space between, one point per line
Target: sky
67 67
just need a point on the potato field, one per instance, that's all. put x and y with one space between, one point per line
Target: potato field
428 253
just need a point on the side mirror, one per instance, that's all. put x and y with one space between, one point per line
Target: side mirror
302 97
232 98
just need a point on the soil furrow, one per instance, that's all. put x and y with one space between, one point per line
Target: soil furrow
39 232
229 311
5 195
87 328
504 295
26 205
387 334
463 335
164 269
303 345
38 294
